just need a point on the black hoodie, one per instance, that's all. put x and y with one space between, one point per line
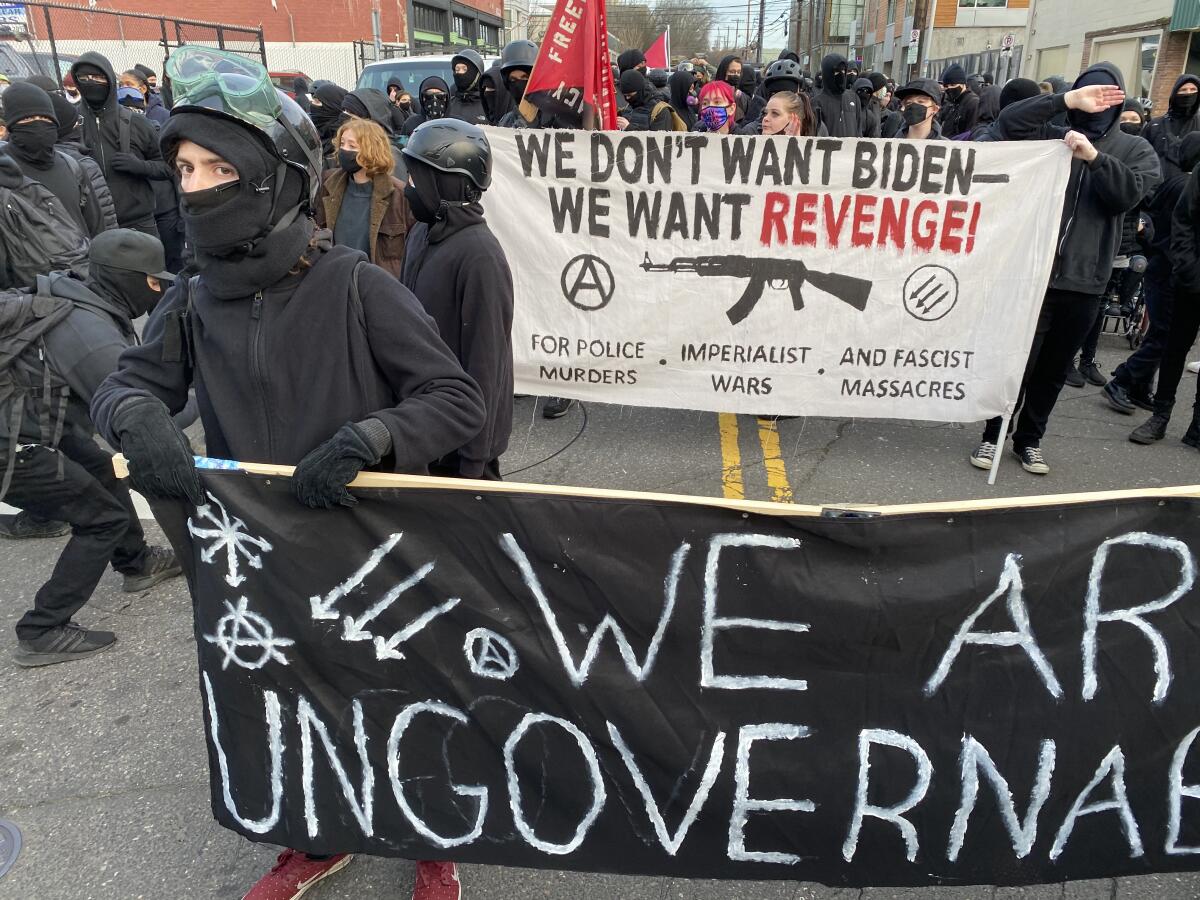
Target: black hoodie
680 86
1098 193
133 193
1165 132
1162 205
835 105
419 116
468 105
497 100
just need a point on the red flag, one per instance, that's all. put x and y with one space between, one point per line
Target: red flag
659 54
572 78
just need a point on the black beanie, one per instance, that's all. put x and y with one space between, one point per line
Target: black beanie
1018 89
67 114
45 82
22 100
954 74
146 71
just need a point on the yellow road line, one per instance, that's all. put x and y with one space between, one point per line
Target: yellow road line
777 480
731 458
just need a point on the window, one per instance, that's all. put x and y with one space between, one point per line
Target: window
489 35
891 11
426 18
1135 55
462 26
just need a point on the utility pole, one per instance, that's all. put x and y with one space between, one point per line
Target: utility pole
746 52
375 28
762 11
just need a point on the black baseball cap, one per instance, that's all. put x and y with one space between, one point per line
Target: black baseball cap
926 86
124 248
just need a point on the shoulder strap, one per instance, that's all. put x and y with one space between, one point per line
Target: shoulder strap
124 123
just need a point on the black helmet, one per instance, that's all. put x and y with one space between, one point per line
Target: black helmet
518 55
468 56
784 68
234 87
452 145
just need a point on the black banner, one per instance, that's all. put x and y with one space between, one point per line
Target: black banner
648 687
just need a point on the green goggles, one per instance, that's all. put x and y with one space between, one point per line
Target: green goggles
223 82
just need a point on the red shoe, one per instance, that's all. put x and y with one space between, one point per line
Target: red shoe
437 881
294 874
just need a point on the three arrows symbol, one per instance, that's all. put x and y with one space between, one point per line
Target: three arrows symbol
355 629
924 295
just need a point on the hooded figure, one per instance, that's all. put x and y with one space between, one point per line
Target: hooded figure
70 143
326 111
124 143
433 98
402 108
498 101
1166 132
960 105
371 103
32 136
835 104
1016 90
465 100
870 114
300 93
679 85
636 91
630 59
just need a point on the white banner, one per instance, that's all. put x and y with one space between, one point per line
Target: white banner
845 278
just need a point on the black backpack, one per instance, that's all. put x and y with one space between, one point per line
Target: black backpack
39 235
26 376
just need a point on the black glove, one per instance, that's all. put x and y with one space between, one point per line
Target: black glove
127 164
321 478
159 455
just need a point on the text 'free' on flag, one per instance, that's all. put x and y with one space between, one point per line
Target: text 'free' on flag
572 78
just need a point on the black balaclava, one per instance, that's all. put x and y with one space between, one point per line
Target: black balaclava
630 59
680 86
633 82
469 80
32 142
327 115
864 90
517 88
1018 89
433 106
299 85
94 95
69 123
124 288
749 82
449 199
833 73
1180 106
1095 125
247 234
1133 128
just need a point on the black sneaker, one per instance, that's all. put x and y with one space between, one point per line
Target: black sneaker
1092 373
556 407
1118 399
160 565
1142 399
25 525
1153 429
1032 460
62 644
984 456
1191 437
1075 377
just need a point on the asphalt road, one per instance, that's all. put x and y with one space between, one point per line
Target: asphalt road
102 762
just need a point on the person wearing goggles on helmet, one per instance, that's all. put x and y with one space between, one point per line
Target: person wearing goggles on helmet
273 296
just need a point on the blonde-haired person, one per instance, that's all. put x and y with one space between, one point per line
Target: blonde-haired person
360 200
790 114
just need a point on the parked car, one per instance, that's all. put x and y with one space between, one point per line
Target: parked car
16 61
411 71
286 80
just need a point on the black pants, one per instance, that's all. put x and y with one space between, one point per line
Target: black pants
1136 374
104 525
1125 282
145 226
1064 322
1185 324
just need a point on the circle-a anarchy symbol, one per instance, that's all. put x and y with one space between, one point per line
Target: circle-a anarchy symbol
490 655
241 628
587 282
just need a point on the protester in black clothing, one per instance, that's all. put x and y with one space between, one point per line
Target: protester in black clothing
1166 132
433 96
1129 387
73 479
326 111
152 104
642 106
989 109
373 105
1017 89
300 92
920 100
960 105
465 102
631 59
497 101
729 70
516 63
1110 174
835 103
870 116
70 142
124 143
32 136
679 85
457 269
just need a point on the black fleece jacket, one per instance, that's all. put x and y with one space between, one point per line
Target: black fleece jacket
1185 237
1099 193
276 374
133 193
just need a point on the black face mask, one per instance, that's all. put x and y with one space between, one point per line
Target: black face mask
915 114
93 94
405 105
197 203
323 115
35 142
348 160
1133 128
516 87
434 105
733 80
420 211
464 81
1182 106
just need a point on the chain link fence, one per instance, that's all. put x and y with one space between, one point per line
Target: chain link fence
1002 64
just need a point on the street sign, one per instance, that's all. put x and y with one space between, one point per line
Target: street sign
1008 42
912 54
914 36
12 14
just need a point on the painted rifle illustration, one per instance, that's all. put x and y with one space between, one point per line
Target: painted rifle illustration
761 272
